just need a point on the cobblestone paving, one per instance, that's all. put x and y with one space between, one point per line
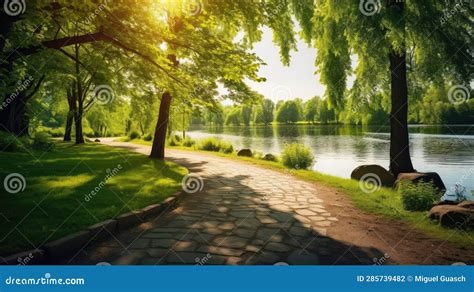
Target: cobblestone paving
244 215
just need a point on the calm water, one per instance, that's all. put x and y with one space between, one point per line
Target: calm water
448 150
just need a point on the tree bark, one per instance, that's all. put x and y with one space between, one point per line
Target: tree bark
400 159
68 129
79 113
158 148
70 114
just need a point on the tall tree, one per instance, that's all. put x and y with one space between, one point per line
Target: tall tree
264 112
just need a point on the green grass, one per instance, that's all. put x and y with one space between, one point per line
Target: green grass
385 202
60 181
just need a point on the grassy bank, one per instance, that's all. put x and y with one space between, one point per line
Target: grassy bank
58 198
385 202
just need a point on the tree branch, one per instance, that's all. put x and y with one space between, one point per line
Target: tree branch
85 39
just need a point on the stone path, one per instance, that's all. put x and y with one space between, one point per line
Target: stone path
244 215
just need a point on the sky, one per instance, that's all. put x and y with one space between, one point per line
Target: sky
284 83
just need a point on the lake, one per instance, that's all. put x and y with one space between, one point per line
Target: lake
447 150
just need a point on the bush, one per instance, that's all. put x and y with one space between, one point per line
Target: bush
10 143
42 142
188 142
226 147
148 138
420 196
215 145
134 135
174 140
297 156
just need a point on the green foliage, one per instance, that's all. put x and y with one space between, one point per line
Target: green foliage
297 156
148 138
54 132
418 196
288 112
134 135
215 145
264 112
233 118
175 140
188 142
10 143
42 142
246 113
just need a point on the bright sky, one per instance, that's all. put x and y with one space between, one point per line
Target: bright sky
284 83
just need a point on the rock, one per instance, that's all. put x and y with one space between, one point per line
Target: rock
459 216
425 177
97 140
386 178
67 246
245 153
269 157
467 204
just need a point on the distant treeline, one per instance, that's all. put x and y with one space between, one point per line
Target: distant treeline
434 107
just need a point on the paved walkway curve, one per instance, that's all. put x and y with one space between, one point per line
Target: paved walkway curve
244 215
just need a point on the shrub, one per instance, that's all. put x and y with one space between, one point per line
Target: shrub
226 147
148 137
420 196
134 135
215 145
188 142
178 138
297 156
54 132
174 140
42 142
10 143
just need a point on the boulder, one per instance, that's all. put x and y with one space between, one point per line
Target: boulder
415 177
269 157
459 216
386 178
97 140
467 204
245 153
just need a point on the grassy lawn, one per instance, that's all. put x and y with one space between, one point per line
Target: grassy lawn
385 202
57 199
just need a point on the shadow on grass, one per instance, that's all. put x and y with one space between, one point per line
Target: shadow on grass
58 198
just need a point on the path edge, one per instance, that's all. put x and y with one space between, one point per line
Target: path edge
71 244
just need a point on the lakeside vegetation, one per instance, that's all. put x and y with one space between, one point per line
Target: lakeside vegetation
58 190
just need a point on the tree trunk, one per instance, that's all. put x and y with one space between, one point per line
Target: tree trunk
68 129
70 115
400 159
79 113
78 126
158 148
